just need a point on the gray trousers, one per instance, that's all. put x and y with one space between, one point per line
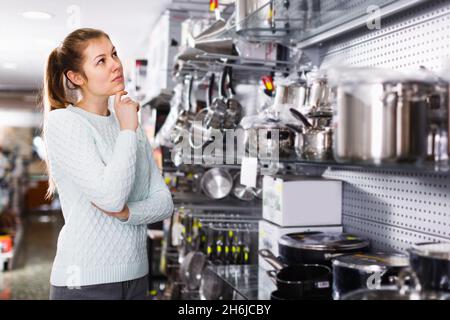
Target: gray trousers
128 290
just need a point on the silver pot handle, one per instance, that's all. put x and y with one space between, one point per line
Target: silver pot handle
271 259
329 256
390 98
273 276
408 274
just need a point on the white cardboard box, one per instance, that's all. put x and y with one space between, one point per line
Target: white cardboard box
270 233
293 201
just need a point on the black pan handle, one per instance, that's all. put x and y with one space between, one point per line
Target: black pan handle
300 117
294 128
271 259
231 90
223 80
209 92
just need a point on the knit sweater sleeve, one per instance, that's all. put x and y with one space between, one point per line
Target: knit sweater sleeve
158 205
73 155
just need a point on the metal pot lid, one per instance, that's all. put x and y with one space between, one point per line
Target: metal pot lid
319 241
372 261
393 293
432 250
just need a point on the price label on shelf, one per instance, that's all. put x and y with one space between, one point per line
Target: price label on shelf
249 171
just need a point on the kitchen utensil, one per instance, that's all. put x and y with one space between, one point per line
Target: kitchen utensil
234 109
217 183
240 191
182 126
199 133
303 281
318 247
216 114
212 287
191 269
431 263
366 271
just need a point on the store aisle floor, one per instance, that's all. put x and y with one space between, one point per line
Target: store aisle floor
30 276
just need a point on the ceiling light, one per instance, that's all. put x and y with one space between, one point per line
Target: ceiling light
36 15
9 65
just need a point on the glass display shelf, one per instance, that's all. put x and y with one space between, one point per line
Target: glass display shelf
308 22
234 162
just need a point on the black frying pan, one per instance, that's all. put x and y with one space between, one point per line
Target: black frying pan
303 281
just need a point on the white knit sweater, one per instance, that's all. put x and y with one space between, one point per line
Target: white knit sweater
92 160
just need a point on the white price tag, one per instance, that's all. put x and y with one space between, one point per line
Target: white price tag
249 171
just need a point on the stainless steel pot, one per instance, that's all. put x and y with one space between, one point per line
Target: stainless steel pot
318 247
431 263
242 192
312 141
271 138
381 122
217 183
366 271
393 293
401 291
293 94
318 98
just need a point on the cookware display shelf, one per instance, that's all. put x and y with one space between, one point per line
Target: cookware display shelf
293 163
396 208
244 68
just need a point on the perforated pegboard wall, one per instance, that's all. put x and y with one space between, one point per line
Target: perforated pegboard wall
418 36
334 9
394 208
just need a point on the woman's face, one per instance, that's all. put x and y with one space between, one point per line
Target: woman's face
102 68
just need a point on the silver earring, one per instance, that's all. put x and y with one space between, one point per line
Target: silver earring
70 85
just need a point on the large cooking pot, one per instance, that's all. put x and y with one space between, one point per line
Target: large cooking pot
431 263
401 291
366 271
293 94
318 247
393 293
303 281
381 121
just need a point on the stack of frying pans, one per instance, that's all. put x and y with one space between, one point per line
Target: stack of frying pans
303 269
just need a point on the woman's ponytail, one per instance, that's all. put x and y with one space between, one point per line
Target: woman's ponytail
54 87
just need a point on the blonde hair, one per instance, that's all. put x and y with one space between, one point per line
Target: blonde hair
59 91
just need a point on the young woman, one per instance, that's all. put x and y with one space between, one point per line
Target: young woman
101 164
